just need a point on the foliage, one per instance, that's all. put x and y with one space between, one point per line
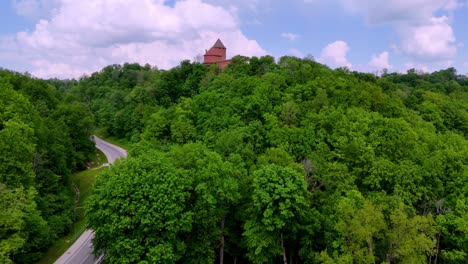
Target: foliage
279 208
147 227
318 165
265 161
42 140
176 202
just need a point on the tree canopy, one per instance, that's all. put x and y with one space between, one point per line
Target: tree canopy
284 161
43 139
314 165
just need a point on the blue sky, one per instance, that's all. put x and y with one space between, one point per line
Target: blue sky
66 39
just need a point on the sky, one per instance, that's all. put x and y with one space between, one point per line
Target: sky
73 38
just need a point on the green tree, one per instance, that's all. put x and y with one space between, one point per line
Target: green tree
410 239
279 203
139 211
21 226
214 193
379 229
361 223
453 237
12 217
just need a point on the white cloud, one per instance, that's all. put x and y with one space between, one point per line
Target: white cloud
243 5
425 34
290 36
84 36
451 5
380 61
378 12
27 8
334 54
433 41
428 67
35 9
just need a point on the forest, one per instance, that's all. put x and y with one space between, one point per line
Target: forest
44 138
268 161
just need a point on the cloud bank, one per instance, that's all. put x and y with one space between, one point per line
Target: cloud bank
424 27
76 37
381 61
334 55
425 34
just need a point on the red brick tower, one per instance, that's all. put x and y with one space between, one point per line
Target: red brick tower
216 55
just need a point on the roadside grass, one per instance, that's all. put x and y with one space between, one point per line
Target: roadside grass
84 181
63 243
97 160
100 159
123 143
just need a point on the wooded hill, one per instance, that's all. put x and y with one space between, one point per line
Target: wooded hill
278 162
290 161
44 137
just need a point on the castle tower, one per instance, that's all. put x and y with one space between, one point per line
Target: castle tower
216 55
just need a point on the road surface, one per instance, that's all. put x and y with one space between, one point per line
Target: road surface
112 152
81 252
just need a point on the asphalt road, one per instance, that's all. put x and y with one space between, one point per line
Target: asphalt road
112 152
81 252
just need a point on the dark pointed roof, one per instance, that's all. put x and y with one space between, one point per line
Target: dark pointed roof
219 44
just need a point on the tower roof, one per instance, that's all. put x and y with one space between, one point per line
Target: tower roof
219 44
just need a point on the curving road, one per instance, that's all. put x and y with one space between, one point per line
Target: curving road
81 252
112 152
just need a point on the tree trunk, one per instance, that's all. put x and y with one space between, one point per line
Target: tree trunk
285 260
388 259
437 251
370 249
221 248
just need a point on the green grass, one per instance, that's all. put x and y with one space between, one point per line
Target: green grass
97 160
123 143
84 181
101 157
63 243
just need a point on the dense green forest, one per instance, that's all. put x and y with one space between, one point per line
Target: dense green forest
288 161
44 137
268 161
